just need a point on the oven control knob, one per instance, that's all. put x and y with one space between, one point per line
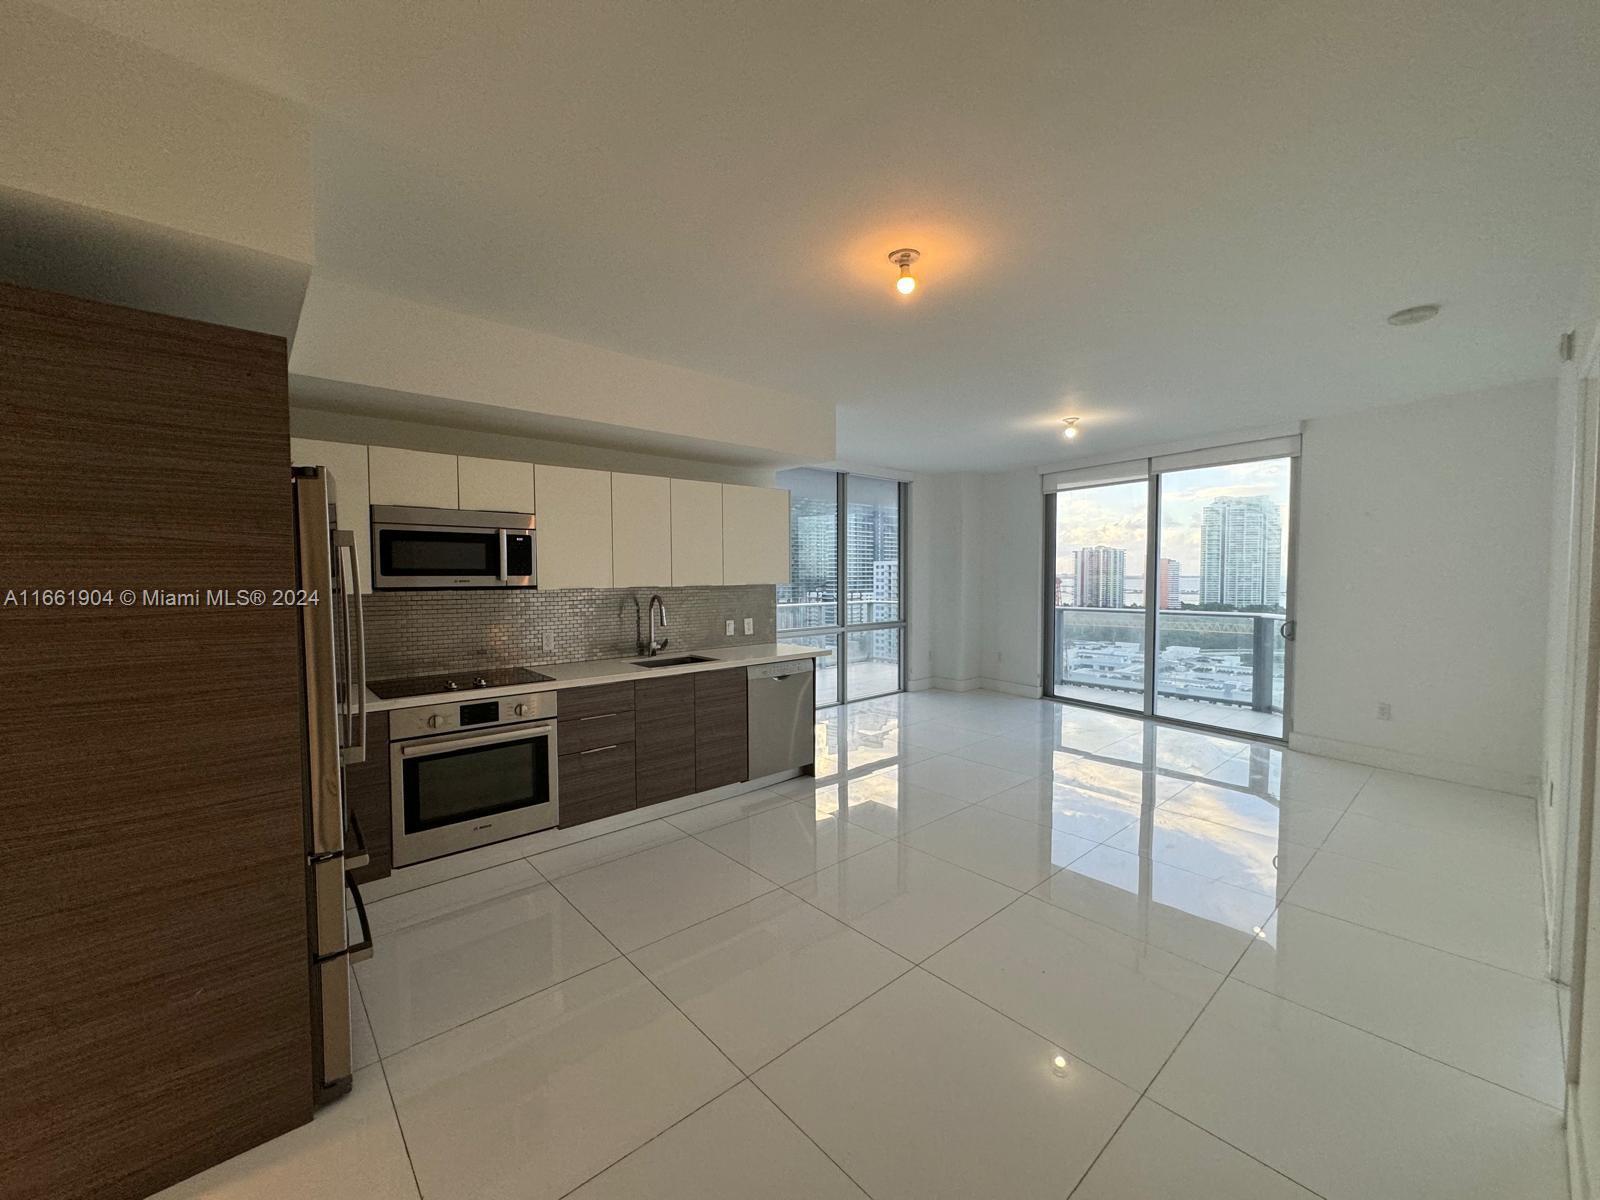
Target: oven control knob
521 710
433 721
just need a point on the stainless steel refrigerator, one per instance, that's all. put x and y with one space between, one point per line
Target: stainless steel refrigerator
333 690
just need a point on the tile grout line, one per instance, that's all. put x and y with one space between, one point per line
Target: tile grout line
623 955
394 1108
1540 978
1164 1063
1382 1038
663 1132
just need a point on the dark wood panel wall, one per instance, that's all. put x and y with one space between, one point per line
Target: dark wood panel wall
155 1011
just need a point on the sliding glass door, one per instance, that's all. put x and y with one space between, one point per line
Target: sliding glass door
1098 627
1171 590
1220 650
845 592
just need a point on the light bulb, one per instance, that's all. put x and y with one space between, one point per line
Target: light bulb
1070 432
903 259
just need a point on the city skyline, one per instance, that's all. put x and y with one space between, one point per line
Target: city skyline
1116 515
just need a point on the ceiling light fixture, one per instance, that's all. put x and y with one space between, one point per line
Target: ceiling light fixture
1071 430
1415 315
907 283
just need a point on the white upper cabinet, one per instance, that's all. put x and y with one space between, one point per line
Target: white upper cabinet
348 463
641 531
411 477
755 534
495 484
696 533
574 527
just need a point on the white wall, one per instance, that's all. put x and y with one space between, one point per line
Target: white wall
352 335
1010 587
945 562
1422 568
414 435
976 555
98 121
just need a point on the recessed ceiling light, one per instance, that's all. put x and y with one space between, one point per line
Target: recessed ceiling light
1071 430
907 283
1415 315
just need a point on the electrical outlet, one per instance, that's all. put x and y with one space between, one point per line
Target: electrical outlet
1385 713
730 628
749 624
549 642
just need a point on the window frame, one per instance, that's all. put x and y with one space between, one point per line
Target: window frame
840 630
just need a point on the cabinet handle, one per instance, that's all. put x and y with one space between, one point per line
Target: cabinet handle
597 717
599 749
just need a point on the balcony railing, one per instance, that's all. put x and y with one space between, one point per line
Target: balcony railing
1222 658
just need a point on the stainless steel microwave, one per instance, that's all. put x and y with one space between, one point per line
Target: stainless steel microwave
452 548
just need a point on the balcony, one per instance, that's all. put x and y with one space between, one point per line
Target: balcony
1214 668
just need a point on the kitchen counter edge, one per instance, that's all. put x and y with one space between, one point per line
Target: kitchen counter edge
611 670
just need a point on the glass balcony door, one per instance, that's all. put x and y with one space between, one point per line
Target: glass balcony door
1098 628
1222 595
1169 593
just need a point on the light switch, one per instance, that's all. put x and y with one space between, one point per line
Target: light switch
749 624
549 642
730 628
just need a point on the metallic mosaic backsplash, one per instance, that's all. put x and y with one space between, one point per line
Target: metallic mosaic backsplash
414 633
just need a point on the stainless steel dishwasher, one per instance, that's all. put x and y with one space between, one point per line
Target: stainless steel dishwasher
783 705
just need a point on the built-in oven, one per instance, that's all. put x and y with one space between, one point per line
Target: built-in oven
452 548
470 772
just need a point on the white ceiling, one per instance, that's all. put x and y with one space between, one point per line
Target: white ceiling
1170 218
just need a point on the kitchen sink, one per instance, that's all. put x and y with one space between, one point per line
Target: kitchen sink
679 660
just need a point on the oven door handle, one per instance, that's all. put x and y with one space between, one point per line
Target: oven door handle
445 745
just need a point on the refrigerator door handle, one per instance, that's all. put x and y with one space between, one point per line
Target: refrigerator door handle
355 653
362 950
355 859
317 573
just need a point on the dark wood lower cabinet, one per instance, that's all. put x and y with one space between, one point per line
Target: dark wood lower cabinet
154 969
624 746
721 728
664 739
596 783
367 794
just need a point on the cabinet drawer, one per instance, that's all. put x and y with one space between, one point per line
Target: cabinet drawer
596 784
597 729
594 701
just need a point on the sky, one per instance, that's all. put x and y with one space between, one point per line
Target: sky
1114 515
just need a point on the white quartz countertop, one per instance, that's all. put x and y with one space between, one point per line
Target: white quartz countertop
613 670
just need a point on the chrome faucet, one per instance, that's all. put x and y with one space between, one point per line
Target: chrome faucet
654 646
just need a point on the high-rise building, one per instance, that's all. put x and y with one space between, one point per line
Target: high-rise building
1098 579
873 536
1167 576
1241 552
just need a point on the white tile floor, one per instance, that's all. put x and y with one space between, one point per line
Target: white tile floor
1001 948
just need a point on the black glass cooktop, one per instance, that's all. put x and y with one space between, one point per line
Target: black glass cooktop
456 681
